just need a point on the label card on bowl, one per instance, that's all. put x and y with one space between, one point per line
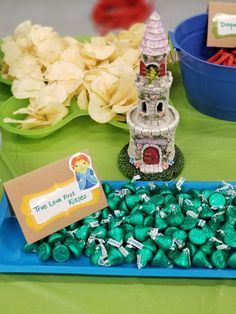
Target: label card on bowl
55 196
221 25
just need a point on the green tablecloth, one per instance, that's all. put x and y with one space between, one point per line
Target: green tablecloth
209 149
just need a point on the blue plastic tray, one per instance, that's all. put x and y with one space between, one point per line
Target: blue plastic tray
14 260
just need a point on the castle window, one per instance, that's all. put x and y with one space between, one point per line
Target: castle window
160 106
144 107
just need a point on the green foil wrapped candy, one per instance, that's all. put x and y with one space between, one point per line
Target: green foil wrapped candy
61 254
216 200
90 247
135 219
157 200
208 231
180 234
82 233
170 230
175 218
169 199
206 193
128 227
115 257
133 200
197 236
55 238
183 259
200 260
148 221
218 259
189 223
232 261
116 234
76 249
161 260
128 234
150 244
230 239
160 223
44 252
144 257
105 214
113 201
164 242
208 247
99 232
142 233
206 212
130 186
165 190
123 206
107 188
192 248
131 257
148 208
31 248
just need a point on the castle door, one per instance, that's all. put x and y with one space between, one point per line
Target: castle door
151 156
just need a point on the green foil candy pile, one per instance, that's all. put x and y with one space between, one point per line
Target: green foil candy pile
160 226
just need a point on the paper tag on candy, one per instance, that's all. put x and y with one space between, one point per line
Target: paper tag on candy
221 25
180 183
123 251
135 243
53 197
114 243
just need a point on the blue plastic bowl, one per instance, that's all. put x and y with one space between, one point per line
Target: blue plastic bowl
210 88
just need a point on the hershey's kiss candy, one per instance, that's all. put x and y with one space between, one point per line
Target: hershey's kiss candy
148 208
217 200
157 200
61 253
230 239
197 236
82 233
208 247
123 206
142 233
164 242
131 257
175 218
170 230
206 212
144 256
192 248
116 234
89 247
218 259
161 260
132 200
148 221
115 257
31 248
232 261
150 244
189 223
183 259
160 223
99 232
135 219
113 201
200 260
44 252
107 188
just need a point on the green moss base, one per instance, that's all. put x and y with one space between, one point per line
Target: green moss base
129 170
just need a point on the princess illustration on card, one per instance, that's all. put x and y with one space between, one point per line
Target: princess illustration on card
84 173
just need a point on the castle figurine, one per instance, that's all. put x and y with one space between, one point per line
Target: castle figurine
152 123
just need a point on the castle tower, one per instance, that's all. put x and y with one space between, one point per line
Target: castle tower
152 123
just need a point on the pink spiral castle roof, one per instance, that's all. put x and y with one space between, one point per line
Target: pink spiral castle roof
154 41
